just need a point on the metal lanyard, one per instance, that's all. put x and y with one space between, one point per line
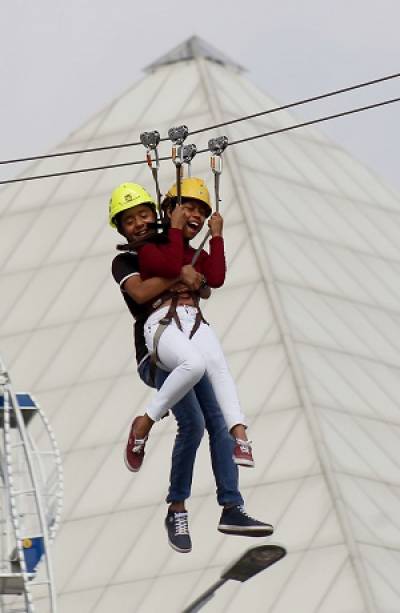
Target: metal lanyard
178 135
216 146
151 141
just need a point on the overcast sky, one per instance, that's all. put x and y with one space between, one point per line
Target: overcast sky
62 61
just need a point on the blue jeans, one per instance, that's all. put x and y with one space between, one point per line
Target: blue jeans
197 409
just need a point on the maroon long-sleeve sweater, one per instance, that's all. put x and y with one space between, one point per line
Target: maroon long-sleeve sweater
166 260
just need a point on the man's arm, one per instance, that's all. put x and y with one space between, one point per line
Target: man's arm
143 291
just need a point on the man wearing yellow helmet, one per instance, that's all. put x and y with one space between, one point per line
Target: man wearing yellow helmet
132 211
198 408
129 197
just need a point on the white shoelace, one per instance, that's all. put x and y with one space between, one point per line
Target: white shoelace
139 444
242 510
245 446
181 523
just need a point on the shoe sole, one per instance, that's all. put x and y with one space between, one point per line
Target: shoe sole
129 467
175 548
247 463
240 531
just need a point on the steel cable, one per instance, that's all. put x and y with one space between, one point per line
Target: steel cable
233 143
212 127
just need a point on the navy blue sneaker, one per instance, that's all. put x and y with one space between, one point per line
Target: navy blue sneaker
177 527
234 520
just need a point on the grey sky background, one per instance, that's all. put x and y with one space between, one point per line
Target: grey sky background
61 62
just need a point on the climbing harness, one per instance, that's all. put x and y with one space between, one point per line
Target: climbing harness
184 155
168 318
216 146
180 155
177 136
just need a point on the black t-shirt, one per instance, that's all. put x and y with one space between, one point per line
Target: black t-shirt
126 265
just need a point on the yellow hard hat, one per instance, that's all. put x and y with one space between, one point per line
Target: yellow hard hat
125 197
191 187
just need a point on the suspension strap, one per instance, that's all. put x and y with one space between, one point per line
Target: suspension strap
199 318
189 151
151 140
162 326
217 146
177 136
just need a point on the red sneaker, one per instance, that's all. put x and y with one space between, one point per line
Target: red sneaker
242 454
134 452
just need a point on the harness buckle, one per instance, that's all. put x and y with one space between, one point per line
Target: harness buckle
165 321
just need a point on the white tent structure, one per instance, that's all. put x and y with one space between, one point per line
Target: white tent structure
309 319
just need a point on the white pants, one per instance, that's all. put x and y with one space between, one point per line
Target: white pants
188 360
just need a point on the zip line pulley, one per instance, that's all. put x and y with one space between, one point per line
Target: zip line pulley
184 154
151 140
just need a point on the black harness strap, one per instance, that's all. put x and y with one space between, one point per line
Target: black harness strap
162 326
170 316
199 318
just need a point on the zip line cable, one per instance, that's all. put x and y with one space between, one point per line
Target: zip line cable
80 170
297 103
314 121
212 127
235 142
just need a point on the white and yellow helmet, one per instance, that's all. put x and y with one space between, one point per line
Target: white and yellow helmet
126 196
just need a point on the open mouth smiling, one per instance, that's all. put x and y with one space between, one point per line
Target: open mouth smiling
194 225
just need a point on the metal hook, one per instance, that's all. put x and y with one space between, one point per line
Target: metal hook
217 146
177 136
151 141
